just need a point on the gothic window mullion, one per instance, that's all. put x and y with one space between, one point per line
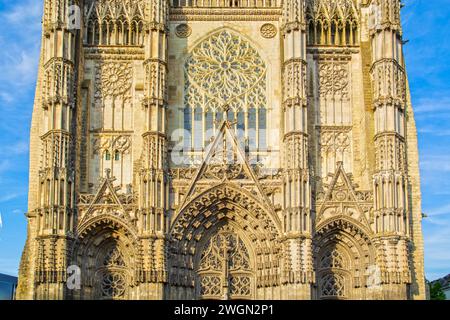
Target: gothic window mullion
204 128
192 128
257 129
225 69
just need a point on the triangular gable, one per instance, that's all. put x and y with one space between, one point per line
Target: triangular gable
106 194
341 182
223 160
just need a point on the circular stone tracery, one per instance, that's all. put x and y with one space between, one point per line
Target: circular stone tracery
225 67
113 79
268 31
183 31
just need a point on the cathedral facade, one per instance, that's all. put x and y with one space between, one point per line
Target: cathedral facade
223 149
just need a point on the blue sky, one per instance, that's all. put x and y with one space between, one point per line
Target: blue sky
426 24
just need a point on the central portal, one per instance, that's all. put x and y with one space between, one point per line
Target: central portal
224 268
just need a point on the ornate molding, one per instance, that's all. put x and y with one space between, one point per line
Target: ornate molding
268 31
183 30
114 53
220 14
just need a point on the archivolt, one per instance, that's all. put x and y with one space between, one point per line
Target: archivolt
341 232
108 220
94 239
349 225
218 206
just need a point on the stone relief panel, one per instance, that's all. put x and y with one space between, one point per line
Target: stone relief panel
334 87
333 117
183 30
335 145
268 30
111 152
112 96
111 123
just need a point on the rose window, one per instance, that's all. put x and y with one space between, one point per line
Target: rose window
225 67
114 79
225 79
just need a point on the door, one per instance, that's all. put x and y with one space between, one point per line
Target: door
224 269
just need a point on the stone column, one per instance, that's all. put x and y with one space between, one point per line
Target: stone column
153 175
390 181
52 213
297 270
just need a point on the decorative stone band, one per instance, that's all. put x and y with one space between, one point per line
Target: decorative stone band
220 14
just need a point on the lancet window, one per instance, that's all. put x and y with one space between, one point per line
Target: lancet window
114 22
332 22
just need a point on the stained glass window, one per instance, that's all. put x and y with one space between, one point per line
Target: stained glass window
225 74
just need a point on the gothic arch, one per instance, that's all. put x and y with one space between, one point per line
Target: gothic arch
221 207
107 251
117 221
335 22
114 22
343 254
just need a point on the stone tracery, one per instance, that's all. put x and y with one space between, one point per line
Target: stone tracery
225 262
225 79
148 229
332 23
114 22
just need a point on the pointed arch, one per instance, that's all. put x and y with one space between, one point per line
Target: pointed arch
343 254
218 207
332 22
117 22
107 251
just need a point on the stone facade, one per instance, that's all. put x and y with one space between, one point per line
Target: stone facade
209 149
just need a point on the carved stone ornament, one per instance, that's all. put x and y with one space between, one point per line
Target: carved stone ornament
113 79
183 31
182 150
268 30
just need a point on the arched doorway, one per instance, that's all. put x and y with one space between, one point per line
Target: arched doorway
105 251
343 253
224 269
253 239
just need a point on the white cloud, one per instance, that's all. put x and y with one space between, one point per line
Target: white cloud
23 12
20 147
438 163
4 165
11 196
443 210
6 97
20 43
432 104
437 247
